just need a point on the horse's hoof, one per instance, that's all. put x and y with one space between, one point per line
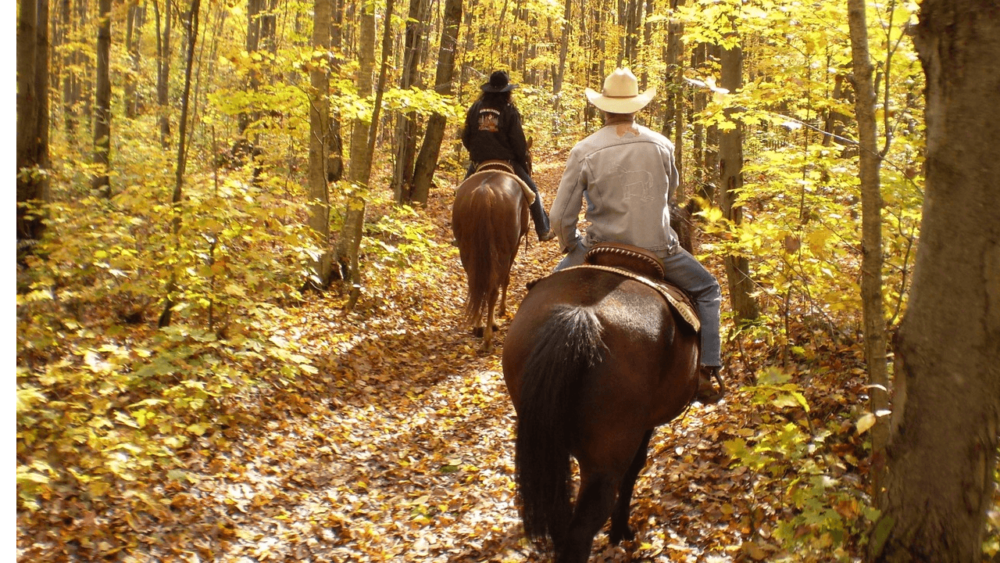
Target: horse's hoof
617 535
478 331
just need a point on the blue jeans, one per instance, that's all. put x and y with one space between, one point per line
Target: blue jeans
684 271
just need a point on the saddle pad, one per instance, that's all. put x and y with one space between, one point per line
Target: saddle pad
528 194
677 299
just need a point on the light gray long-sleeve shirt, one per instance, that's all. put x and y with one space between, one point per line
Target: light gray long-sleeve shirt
626 173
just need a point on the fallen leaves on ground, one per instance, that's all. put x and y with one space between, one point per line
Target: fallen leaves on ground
399 448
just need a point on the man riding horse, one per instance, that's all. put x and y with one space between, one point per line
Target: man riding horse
626 173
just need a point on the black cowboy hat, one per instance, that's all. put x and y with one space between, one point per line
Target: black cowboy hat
499 82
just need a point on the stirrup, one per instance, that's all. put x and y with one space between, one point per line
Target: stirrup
706 394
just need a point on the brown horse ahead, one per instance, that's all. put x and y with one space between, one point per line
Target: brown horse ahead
489 219
593 361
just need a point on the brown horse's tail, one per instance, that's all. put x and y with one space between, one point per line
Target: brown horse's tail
570 343
480 228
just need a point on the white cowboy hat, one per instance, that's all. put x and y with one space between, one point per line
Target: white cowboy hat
621 93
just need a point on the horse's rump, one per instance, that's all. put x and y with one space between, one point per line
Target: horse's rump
489 218
593 361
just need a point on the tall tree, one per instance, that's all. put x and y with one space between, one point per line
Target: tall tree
731 176
319 131
178 195
32 121
133 36
567 27
360 160
871 227
430 150
335 160
102 101
70 56
163 24
406 127
942 452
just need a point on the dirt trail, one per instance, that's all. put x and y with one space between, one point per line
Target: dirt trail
401 450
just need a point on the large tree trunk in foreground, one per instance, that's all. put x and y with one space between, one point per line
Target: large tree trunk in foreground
942 451
871 238
32 120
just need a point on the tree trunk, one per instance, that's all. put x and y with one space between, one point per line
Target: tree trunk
102 102
133 35
379 89
319 122
674 122
563 51
360 165
942 451
731 177
32 122
163 69
406 127
192 38
871 243
335 157
431 149
70 84
348 247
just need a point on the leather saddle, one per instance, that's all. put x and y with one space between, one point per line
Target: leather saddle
642 265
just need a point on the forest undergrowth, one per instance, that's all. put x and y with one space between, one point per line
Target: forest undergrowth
381 434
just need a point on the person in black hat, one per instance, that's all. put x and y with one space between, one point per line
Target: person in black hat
493 132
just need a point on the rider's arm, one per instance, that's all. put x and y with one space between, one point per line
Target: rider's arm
565 211
515 135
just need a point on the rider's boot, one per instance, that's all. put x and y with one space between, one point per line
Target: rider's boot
706 392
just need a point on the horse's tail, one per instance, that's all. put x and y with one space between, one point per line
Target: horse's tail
569 343
484 247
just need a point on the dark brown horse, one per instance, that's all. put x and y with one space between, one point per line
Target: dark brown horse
593 362
489 219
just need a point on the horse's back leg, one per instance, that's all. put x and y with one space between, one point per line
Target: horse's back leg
593 506
619 516
503 297
489 327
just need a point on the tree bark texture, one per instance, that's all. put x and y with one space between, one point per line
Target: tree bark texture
163 68
567 28
319 129
430 150
349 245
406 126
133 36
32 121
360 161
731 175
102 101
942 450
379 89
335 159
871 237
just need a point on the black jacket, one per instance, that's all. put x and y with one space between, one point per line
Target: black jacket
491 134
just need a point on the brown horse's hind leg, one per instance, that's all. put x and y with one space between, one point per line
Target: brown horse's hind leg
489 327
593 506
619 516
